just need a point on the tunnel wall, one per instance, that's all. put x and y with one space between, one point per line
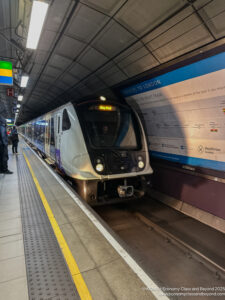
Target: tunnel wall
184 117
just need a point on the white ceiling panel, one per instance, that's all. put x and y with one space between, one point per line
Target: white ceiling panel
94 83
56 15
86 23
138 54
145 63
214 15
53 72
60 62
169 25
140 16
184 26
69 79
113 39
92 59
83 90
46 40
40 57
36 69
111 75
217 25
56 90
51 93
47 78
183 44
73 94
200 3
108 7
62 84
69 47
129 51
79 71
42 86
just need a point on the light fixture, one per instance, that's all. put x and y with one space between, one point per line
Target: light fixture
102 98
38 14
24 81
141 164
20 97
99 167
18 105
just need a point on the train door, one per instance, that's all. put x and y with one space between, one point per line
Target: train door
58 138
47 136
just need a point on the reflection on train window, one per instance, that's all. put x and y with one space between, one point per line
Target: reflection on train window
65 121
115 128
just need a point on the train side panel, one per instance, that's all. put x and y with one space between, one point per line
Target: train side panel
73 152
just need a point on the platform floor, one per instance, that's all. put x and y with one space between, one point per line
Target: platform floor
92 258
13 279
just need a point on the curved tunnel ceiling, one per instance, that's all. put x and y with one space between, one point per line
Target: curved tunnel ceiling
88 46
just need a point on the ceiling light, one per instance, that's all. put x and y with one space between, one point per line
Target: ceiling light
102 98
18 105
38 13
24 81
20 97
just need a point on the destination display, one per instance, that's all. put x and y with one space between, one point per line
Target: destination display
184 113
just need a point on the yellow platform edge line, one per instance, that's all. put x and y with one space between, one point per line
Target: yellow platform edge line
72 265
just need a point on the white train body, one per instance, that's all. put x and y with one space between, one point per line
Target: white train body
100 146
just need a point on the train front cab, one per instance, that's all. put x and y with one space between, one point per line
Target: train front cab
117 147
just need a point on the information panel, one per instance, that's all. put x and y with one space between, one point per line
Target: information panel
6 76
184 113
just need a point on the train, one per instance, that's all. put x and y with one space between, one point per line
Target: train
100 146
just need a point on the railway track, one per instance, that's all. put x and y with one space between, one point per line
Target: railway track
174 262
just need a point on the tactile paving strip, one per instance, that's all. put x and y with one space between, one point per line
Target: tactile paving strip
47 273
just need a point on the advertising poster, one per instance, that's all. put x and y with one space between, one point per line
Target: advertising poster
184 113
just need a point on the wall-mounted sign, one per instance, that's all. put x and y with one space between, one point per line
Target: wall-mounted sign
10 92
6 76
184 111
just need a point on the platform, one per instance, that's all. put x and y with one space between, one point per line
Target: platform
54 246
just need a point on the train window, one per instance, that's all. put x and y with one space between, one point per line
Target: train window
47 133
52 140
66 121
58 124
108 126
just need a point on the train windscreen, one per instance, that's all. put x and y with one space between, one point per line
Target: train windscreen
109 126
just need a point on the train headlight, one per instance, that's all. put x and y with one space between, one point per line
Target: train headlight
141 164
99 167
